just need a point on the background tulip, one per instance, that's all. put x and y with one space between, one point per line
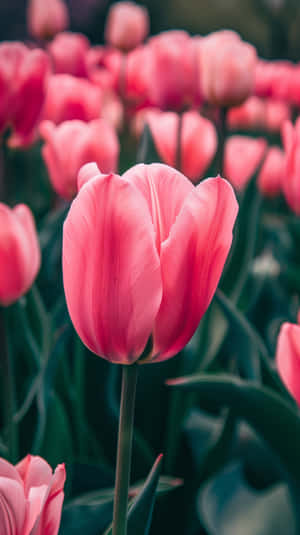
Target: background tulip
31 497
136 245
74 143
68 53
198 141
242 157
19 252
45 19
291 181
227 68
272 172
288 358
127 25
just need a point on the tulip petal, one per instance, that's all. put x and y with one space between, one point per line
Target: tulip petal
111 268
288 358
192 259
34 472
12 507
48 521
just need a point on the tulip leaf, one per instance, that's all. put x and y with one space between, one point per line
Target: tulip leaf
141 508
58 426
271 416
227 505
147 152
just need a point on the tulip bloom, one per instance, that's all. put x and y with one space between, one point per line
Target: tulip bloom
250 115
68 52
31 497
291 181
127 25
272 173
288 358
71 98
142 257
74 143
104 65
45 19
227 68
20 256
23 80
198 141
242 157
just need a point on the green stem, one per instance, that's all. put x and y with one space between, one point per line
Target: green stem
126 423
222 131
9 394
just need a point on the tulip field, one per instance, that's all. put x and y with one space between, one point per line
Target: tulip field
149 279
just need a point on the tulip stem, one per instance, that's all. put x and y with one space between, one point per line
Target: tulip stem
222 131
125 435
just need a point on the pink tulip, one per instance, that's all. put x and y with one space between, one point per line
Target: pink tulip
31 497
68 52
291 181
23 80
45 19
274 79
142 257
227 68
112 110
198 141
20 256
277 112
71 98
288 358
127 25
135 78
74 143
242 157
105 65
174 80
249 116
272 172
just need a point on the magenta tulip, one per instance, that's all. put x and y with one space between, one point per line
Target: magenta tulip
19 252
288 358
31 497
142 257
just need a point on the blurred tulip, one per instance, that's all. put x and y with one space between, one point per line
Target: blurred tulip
104 66
134 87
68 52
291 181
249 116
198 141
74 143
46 19
112 110
142 257
288 358
277 112
127 25
31 497
227 68
174 79
242 157
274 79
23 80
272 172
70 98
20 256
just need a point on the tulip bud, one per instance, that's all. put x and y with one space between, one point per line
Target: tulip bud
198 141
127 25
71 98
288 358
227 66
142 257
272 173
31 497
45 19
68 52
242 157
20 256
74 143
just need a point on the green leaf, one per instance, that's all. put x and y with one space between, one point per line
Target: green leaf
271 416
228 506
147 152
57 445
141 509
90 519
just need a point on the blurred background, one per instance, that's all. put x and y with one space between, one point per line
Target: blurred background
272 25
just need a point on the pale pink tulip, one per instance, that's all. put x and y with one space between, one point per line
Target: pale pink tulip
242 157
198 141
74 143
272 172
291 180
20 256
46 19
31 497
288 358
70 98
127 25
142 257
68 52
227 68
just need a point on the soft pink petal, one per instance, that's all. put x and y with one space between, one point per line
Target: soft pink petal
34 472
288 358
48 521
12 507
